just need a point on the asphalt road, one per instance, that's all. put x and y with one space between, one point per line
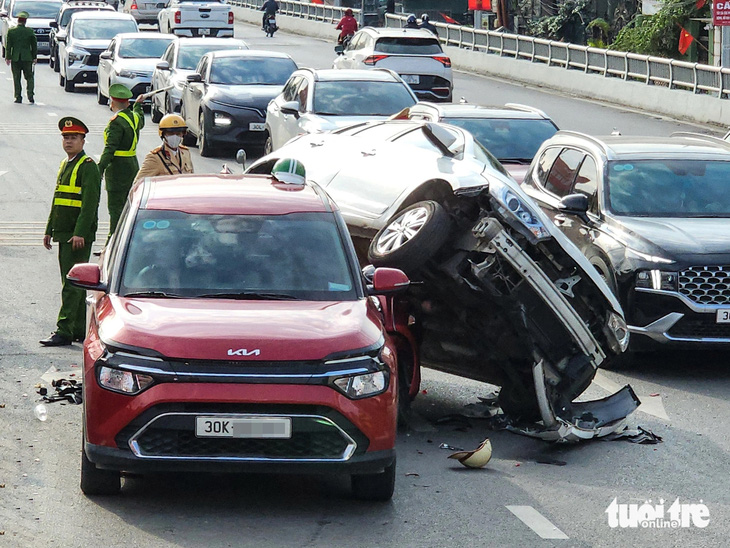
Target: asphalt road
437 502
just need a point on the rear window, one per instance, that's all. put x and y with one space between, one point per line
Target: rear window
408 46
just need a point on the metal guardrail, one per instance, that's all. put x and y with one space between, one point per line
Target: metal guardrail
658 71
304 10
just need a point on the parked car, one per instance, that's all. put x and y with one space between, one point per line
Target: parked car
504 296
178 62
144 11
313 101
41 12
231 331
224 102
651 215
512 133
415 54
58 27
196 18
130 60
89 34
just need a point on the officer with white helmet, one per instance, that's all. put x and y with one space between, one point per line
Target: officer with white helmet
171 157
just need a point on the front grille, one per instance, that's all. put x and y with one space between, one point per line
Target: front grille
700 328
706 284
174 436
93 60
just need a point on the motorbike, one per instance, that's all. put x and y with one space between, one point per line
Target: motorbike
270 25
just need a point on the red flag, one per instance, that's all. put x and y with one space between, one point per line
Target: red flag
700 3
685 40
448 19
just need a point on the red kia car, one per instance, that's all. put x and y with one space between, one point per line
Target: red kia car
232 330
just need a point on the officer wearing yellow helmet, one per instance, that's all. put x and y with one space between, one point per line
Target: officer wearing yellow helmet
72 223
171 157
118 163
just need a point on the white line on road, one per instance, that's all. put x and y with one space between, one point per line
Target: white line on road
41 104
537 522
2 173
651 405
52 114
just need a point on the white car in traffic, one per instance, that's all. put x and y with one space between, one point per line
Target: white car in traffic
197 18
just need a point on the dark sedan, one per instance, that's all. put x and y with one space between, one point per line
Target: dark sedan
651 215
224 101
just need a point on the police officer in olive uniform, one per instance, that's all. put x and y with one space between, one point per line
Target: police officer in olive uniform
21 49
73 223
118 163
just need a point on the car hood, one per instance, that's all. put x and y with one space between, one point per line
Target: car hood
245 95
314 123
91 44
39 23
215 329
146 65
680 236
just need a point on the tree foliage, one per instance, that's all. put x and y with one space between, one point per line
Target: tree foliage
567 25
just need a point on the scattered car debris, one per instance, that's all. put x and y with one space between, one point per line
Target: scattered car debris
636 435
412 475
450 447
478 458
66 390
554 462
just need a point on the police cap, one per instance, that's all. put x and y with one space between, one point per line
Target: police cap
70 125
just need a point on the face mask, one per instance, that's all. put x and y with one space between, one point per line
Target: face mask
173 141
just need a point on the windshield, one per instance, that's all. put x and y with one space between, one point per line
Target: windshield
66 16
189 56
300 256
143 48
251 70
508 139
101 29
41 10
669 188
361 98
409 46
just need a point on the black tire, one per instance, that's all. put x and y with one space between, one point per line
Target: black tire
206 151
61 79
519 403
268 144
412 237
52 60
68 85
95 481
100 97
57 63
155 113
378 487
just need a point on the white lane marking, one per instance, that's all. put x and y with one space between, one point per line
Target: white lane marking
537 522
8 79
41 104
653 406
52 114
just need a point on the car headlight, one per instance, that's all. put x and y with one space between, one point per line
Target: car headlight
221 119
633 254
124 73
517 212
76 55
362 386
125 382
619 330
657 279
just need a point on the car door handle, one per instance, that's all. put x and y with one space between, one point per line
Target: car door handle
560 219
368 153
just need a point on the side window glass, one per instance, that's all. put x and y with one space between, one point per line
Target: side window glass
169 55
545 163
355 42
587 182
290 88
562 173
302 94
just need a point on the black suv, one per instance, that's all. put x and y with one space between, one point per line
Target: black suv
651 214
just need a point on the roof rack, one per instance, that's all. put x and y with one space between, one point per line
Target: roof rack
86 3
526 108
702 137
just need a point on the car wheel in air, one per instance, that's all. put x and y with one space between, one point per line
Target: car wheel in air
413 237
377 487
95 481
205 149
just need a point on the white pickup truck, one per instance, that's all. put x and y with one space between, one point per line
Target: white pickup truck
196 18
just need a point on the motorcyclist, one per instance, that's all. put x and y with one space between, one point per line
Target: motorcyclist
269 8
426 24
347 26
411 22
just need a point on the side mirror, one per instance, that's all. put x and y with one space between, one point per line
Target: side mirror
53 24
290 107
105 55
389 280
575 204
241 157
61 38
195 78
86 276
3 14
339 49
163 65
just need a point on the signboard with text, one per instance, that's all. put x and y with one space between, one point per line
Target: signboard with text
721 13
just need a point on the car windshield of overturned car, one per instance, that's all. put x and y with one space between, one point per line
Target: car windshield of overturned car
39 10
300 255
516 140
360 98
248 71
101 29
143 48
669 188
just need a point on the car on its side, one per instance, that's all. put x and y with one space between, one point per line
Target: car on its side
224 101
130 60
41 14
415 54
144 11
177 63
504 296
89 34
231 331
651 215
58 27
512 133
314 101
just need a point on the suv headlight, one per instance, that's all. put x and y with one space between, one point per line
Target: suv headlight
363 386
657 279
221 119
76 55
125 382
517 212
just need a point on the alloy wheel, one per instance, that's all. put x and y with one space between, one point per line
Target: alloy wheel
402 229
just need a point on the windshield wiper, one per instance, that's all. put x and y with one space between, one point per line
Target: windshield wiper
249 295
161 294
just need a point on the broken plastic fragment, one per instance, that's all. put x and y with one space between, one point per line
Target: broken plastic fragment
451 447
